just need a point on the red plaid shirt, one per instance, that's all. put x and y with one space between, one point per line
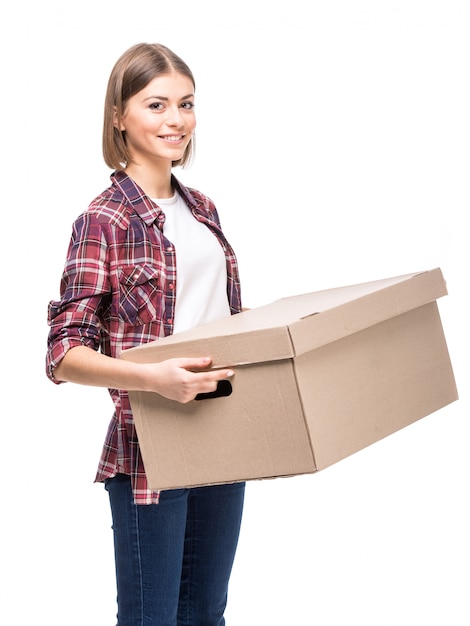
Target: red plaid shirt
118 291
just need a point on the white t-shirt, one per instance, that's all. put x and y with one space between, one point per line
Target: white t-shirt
201 273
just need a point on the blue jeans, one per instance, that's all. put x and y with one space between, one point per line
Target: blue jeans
174 559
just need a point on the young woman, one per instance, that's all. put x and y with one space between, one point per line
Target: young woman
146 259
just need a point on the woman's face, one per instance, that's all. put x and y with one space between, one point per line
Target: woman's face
159 120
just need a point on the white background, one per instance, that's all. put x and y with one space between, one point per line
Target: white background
334 139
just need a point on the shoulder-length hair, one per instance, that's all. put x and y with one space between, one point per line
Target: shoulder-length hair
132 72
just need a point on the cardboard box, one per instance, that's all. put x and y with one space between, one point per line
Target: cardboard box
317 377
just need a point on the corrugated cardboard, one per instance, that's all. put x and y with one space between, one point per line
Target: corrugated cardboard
318 377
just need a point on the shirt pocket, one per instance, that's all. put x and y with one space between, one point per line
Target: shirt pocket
139 294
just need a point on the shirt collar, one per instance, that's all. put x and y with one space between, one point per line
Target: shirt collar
148 211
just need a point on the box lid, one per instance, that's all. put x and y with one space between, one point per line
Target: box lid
294 325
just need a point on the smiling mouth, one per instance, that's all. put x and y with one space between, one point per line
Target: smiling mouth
172 138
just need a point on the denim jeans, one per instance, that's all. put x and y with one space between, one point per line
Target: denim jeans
174 559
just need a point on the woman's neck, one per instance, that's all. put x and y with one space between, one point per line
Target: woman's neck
156 183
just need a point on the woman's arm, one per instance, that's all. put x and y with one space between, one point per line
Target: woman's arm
177 379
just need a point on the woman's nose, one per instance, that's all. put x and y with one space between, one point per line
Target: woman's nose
174 117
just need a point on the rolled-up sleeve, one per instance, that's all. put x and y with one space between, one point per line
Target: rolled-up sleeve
76 318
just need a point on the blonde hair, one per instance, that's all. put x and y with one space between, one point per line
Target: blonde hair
132 72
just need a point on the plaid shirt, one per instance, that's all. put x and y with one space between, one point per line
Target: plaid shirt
118 291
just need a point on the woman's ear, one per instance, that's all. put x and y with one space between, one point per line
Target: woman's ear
116 123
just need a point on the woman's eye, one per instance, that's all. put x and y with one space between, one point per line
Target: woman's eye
187 105
156 106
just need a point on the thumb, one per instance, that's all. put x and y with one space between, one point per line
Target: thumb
194 363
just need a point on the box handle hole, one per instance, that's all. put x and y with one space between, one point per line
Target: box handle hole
224 389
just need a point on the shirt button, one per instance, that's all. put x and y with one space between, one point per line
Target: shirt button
170 320
171 286
169 249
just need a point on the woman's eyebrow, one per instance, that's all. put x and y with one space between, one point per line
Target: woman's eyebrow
191 95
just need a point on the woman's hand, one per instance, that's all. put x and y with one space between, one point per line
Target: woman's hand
182 379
